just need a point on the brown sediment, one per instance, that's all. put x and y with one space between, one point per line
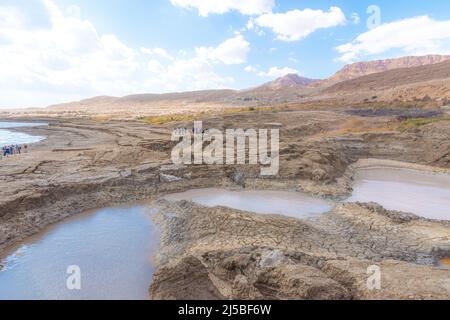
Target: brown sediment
445 262
87 164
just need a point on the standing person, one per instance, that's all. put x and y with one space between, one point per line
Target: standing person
26 148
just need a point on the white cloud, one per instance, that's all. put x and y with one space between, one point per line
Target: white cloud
68 59
193 74
10 17
197 73
250 69
157 51
231 51
298 24
74 11
246 7
276 72
250 24
414 36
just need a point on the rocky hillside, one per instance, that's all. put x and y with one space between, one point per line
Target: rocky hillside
397 77
360 69
291 80
428 84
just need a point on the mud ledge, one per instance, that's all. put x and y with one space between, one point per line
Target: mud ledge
383 163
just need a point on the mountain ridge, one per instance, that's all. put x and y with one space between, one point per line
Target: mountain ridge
287 89
290 80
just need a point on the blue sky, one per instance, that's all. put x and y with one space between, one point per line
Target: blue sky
62 50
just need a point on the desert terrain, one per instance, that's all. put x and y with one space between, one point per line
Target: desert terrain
108 150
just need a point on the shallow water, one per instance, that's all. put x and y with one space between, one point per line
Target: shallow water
293 204
8 137
11 137
422 193
13 124
113 248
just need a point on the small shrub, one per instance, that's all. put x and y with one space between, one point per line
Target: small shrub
163 119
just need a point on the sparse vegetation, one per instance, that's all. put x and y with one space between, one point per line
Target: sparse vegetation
100 118
359 126
415 123
239 110
163 119
185 117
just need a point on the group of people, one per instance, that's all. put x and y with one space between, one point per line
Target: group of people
12 150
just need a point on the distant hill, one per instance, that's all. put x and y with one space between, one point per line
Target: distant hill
395 78
291 80
155 102
404 79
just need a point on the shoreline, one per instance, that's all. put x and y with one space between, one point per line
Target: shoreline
19 131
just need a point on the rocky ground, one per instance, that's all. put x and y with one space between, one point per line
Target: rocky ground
225 253
218 253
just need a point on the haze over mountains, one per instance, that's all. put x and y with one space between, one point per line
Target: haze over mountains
402 79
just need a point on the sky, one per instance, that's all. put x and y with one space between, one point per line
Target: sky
54 51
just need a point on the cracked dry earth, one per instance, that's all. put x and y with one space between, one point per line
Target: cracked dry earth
220 252
217 253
